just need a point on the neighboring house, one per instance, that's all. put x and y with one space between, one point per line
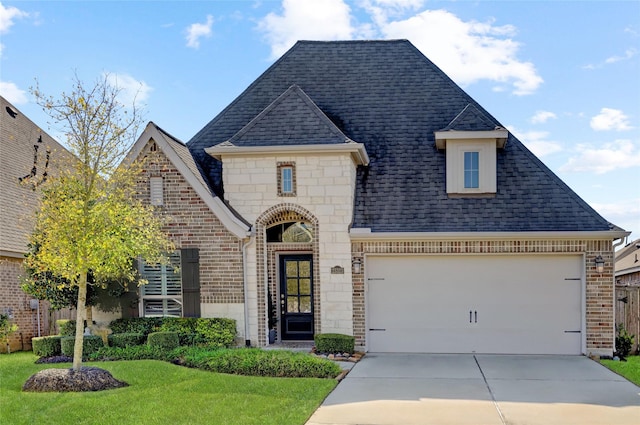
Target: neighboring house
357 189
28 155
627 274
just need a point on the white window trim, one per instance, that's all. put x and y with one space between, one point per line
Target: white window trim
286 180
487 175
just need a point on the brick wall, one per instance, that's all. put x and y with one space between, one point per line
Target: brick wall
192 224
599 287
12 297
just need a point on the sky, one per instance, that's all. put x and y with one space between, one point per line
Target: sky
562 76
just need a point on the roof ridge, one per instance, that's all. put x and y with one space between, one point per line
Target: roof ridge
293 90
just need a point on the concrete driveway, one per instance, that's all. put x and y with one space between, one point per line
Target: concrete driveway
460 389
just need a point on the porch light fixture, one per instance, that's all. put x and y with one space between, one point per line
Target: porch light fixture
599 264
357 266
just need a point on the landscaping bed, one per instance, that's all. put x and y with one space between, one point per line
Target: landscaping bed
160 392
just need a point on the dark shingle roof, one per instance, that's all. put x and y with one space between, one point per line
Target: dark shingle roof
292 119
390 97
471 119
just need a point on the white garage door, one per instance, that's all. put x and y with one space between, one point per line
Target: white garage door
510 304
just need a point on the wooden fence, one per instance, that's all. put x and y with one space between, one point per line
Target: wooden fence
628 311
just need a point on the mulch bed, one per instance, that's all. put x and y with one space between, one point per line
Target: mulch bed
69 380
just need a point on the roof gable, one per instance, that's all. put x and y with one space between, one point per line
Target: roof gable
28 155
291 119
471 119
388 96
179 155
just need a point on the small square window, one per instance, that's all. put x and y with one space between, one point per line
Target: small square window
286 179
471 170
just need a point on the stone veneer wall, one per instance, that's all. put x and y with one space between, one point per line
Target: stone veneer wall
599 287
192 224
11 296
324 193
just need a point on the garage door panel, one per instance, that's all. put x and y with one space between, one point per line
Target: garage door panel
489 304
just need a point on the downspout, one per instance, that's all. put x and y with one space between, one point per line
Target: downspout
245 244
621 240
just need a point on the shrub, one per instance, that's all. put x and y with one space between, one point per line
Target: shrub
257 362
624 342
217 332
142 325
125 339
334 343
90 344
131 352
165 341
66 327
46 346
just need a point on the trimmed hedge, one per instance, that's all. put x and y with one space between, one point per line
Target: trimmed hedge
66 327
164 340
142 325
257 362
131 352
90 344
125 339
218 332
334 343
46 346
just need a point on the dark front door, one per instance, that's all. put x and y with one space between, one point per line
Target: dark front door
296 297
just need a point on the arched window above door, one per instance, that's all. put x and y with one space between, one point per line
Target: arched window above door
294 231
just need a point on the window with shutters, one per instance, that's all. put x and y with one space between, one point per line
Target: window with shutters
162 295
156 191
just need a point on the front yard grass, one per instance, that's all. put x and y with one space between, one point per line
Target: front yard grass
159 393
629 369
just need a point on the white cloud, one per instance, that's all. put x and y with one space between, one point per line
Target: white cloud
306 20
541 117
467 51
612 156
537 142
610 119
8 15
196 31
12 93
628 54
625 213
131 90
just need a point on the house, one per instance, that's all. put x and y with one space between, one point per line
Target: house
355 188
28 155
627 275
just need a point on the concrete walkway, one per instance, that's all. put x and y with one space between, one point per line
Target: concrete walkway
460 389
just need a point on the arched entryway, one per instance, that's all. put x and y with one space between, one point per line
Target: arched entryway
288 279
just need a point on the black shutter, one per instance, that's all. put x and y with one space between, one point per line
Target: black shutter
190 265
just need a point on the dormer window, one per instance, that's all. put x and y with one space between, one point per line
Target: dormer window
471 160
471 170
286 179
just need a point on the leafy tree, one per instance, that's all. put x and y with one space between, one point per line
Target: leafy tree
89 220
6 329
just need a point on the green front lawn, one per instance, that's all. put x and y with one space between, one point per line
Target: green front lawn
159 393
629 369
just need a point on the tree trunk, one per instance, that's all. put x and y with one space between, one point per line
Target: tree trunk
81 313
